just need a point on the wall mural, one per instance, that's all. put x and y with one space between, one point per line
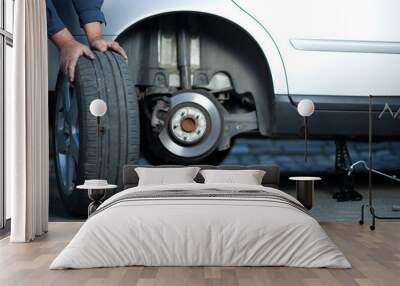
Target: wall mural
387 109
189 95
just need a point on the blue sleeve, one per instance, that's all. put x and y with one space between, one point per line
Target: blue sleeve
54 23
89 11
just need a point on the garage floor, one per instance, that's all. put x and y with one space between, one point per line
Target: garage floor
289 155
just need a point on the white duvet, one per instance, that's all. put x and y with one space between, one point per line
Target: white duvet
200 231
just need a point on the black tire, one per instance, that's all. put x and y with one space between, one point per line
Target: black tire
107 78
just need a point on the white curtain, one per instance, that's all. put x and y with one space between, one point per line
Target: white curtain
27 124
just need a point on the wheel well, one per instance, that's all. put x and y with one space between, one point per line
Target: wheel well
224 48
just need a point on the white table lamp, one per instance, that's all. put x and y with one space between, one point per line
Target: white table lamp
98 108
306 108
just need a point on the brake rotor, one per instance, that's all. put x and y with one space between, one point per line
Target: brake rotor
194 125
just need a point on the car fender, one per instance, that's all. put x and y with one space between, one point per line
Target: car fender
123 14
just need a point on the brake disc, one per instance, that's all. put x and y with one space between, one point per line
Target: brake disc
194 125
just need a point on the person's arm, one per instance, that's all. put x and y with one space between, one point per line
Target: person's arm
91 18
54 23
70 49
89 11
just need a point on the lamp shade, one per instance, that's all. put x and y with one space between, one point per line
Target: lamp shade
98 107
306 107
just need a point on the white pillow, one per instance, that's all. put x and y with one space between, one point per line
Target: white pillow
247 177
166 176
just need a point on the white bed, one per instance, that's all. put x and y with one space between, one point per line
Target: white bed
208 230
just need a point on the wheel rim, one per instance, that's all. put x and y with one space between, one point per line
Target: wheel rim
66 134
194 125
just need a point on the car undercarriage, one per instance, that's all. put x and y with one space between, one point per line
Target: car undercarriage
194 79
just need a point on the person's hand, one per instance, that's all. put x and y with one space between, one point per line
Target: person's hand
103 45
69 56
70 52
96 41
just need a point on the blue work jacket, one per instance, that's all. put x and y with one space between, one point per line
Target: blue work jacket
88 11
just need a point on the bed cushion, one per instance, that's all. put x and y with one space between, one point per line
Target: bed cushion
245 177
271 178
166 176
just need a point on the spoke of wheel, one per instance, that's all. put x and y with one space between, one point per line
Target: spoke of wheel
66 172
70 172
62 165
72 167
72 116
74 148
66 102
61 141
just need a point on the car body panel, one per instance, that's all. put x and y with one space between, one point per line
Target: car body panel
336 50
122 14
276 25
334 71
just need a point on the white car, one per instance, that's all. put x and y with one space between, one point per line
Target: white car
206 71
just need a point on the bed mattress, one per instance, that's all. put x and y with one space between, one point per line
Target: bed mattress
201 225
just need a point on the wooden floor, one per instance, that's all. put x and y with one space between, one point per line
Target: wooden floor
375 257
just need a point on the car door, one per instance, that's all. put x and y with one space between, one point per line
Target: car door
335 47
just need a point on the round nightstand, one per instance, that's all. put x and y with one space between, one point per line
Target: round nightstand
305 190
96 195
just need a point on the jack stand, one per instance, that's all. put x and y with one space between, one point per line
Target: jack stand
342 165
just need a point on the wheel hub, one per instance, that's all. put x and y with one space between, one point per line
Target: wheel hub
188 125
